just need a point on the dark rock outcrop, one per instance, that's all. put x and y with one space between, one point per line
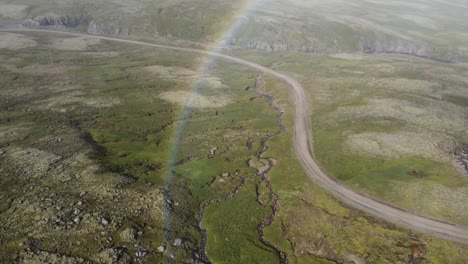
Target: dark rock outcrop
66 21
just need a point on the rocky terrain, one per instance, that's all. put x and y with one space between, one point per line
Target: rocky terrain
462 159
57 203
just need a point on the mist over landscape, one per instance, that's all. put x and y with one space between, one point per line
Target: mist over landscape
242 131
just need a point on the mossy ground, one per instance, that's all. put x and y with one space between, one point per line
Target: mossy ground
314 227
340 92
138 144
131 151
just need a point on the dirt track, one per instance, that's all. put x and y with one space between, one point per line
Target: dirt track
302 144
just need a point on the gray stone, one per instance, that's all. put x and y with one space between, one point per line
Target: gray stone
128 235
104 221
177 242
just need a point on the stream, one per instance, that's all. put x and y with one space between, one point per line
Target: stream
201 256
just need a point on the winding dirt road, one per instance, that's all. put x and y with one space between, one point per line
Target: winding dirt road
302 144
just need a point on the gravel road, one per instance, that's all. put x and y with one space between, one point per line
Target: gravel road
303 143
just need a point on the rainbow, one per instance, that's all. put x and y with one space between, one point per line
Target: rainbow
247 10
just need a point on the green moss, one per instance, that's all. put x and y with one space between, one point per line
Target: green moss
232 232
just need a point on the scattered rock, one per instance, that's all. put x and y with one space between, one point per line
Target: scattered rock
168 203
461 157
161 249
213 151
128 235
30 256
30 23
177 242
115 255
104 221
141 253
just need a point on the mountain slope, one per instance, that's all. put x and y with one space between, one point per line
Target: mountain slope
432 28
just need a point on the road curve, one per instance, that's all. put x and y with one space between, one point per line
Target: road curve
302 145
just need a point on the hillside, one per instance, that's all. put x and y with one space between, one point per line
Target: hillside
436 29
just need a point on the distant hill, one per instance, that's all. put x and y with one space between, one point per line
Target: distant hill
432 28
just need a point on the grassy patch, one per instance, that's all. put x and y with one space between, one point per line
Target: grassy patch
232 232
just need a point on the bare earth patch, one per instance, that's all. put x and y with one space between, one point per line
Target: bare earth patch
384 67
102 102
397 145
406 85
33 160
10 134
185 75
61 101
433 115
74 96
13 11
439 199
16 41
40 69
171 72
348 56
79 43
102 54
189 99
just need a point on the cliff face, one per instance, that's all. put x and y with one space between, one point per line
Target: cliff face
67 21
432 29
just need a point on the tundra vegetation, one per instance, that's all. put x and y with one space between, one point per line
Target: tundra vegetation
100 163
115 154
390 126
